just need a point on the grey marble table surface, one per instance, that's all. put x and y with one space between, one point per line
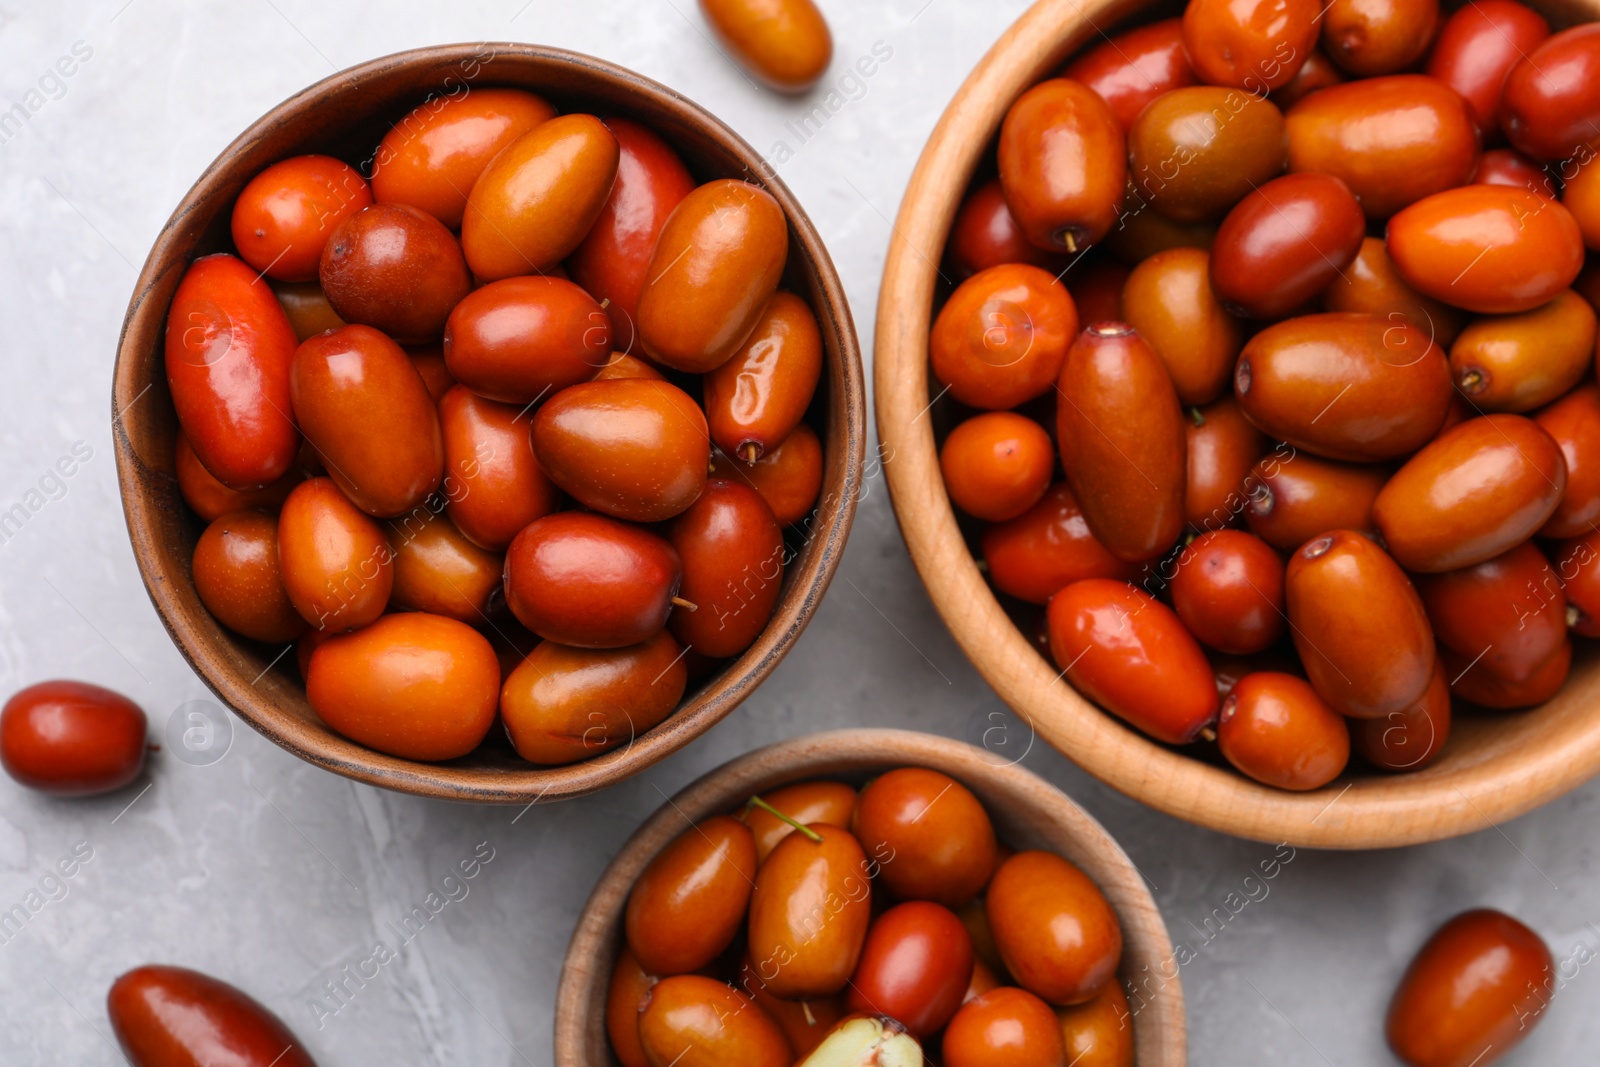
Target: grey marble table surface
275 875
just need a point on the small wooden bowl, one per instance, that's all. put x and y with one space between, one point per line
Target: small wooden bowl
346 115
1493 769
1028 812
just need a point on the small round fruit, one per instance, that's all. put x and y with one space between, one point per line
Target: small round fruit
941 840
1368 39
395 268
785 43
1277 730
1001 338
71 739
690 1021
997 465
237 574
1006 1027
1228 590
1055 930
283 218
1256 45
915 967
1062 165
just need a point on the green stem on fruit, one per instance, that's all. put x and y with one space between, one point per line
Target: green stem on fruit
757 802
1199 419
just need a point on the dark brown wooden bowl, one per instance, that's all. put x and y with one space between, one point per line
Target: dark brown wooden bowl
1028 812
345 116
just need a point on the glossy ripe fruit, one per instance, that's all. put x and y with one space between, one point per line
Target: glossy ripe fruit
1134 67
612 262
285 215
997 465
716 264
1472 992
1055 930
1284 243
1369 284
395 268
931 834
1577 563
1276 729
1169 301
1099 1033
1296 497
1507 166
985 234
174 1017
631 448
1358 625
493 483
430 159
733 559
228 348
211 500
537 199
809 912
1317 72
915 967
71 739
1222 449
1520 362
690 901
1550 103
1476 491
1410 739
1193 153
522 339
1002 336
1378 38
338 566
1129 653
565 704
804 802
690 1021
417 686
1580 193
1046 548
789 478
1472 683
1062 165
1120 432
1489 249
237 575
1477 47
1345 386
1392 140
624 996
591 582
755 399
1228 590
307 307
365 409
1006 1027
439 571
1507 613
1573 422
1256 45
785 43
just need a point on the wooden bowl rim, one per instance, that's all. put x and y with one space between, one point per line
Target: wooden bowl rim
1452 797
825 538
1160 1034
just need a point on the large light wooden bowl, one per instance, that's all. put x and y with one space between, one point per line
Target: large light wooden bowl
345 116
1493 768
1028 813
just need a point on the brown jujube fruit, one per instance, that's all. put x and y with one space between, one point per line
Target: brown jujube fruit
1222 449
1550 103
624 996
1276 729
689 903
1368 39
757 398
1476 491
237 574
785 43
1507 166
1142 231
1411 739
1055 929
1062 165
1520 362
789 478
337 564
938 833
985 234
997 465
439 571
211 500
1359 626
733 559
307 307
1255 45
804 802
1228 590
1369 284
1573 422
1134 67
1099 1033
1577 564
282 219
691 1021
1046 548
174 1017
1194 152
810 910
1295 497
521 340
1006 1027
1001 338
1507 613
1393 140
1170 302
1344 386
397 269
1476 48
1474 684
71 739
1120 432
1284 243
493 483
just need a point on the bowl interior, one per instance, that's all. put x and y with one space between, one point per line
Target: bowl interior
1027 811
345 116
1496 766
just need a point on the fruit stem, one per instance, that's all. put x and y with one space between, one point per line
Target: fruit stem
805 1006
1208 734
757 802
749 451
686 605
1199 419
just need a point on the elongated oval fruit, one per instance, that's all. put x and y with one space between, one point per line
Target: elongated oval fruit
1129 653
810 910
174 1017
1520 362
520 340
1359 626
716 264
691 1021
1120 431
1573 422
493 484
1344 385
1054 928
228 350
239 578
1195 152
1550 103
72 739
690 901
337 563
757 398
785 43
1062 165
1507 614
1481 488
1284 243
439 571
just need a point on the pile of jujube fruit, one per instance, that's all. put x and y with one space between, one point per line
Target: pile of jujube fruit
825 927
1267 371
513 428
